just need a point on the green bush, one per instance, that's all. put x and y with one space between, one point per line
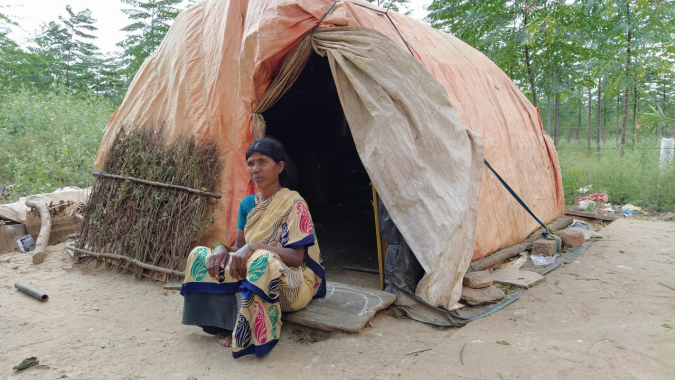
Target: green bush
632 178
49 139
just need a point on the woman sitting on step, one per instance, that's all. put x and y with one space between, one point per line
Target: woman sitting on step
239 292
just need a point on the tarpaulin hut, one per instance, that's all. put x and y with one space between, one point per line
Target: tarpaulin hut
418 108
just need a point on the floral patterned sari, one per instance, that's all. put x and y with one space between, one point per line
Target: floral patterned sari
271 287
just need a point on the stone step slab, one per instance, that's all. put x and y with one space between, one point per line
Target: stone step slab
515 277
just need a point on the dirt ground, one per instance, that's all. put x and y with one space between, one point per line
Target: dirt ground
608 315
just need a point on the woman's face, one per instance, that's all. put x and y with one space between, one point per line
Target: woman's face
263 170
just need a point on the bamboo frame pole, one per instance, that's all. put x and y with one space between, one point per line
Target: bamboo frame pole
128 259
153 183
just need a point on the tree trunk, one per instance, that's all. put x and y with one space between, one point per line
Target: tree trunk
528 64
557 118
674 120
604 124
579 121
635 106
625 92
590 119
529 75
597 137
548 114
625 119
618 117
473 7
68 69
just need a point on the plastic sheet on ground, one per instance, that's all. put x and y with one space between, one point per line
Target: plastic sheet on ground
584 228
601 198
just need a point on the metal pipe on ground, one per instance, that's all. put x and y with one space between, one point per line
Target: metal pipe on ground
31 291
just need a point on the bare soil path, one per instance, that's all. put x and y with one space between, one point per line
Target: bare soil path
604 316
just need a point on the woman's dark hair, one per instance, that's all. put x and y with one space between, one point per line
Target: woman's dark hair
273 149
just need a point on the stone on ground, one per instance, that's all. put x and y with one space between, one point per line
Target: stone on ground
475 297
515 277
478 280
546 247
571 238
345 307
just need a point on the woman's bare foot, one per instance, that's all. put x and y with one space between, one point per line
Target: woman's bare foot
225 338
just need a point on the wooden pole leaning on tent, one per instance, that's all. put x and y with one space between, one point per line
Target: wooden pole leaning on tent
128 259
158 184
380 253
45 228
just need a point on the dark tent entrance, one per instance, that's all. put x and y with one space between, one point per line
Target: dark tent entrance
309 121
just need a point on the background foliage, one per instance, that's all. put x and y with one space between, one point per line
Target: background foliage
597 69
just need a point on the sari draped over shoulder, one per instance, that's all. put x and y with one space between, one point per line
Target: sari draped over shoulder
271 287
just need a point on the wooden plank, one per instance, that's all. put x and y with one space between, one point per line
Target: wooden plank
520 262
592 215
498 257
345 307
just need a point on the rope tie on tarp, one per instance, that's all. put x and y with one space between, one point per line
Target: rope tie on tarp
390 20
513 193
324 16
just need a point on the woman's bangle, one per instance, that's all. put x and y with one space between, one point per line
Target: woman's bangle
213 247
249 247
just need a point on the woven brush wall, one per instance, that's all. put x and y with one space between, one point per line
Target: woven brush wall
151 223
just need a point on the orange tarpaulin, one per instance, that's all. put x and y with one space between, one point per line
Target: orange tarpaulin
220 56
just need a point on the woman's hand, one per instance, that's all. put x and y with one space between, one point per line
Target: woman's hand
239 259
217 260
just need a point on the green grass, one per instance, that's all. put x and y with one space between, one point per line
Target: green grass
48 140
632 178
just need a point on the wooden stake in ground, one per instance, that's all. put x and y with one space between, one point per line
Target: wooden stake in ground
45 228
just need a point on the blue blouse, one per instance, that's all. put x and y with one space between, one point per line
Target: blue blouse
247 204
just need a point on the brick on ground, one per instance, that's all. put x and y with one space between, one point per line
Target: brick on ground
546 247
571 238
478 280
